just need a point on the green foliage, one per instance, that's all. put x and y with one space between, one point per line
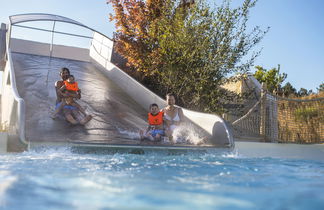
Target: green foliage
272 78
199 47
288 90
306 114
304 92
190 49
321 88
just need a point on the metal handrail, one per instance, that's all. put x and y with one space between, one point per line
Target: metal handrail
57 32
50 17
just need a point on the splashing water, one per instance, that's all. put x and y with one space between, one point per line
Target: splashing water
187 134
184 134
129 134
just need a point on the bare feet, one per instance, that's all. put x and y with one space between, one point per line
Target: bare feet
141 133
71 120
151 138
85 120
165 140
157 137
54 116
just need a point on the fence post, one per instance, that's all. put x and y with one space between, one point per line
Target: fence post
3 31
274 121
263 113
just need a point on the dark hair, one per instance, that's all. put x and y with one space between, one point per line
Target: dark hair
154 105
64 69
170 94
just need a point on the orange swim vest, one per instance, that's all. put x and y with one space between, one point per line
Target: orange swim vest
155 119
71 86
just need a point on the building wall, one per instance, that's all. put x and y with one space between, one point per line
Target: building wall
244 85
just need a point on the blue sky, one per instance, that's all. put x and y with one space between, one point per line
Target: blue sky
295 40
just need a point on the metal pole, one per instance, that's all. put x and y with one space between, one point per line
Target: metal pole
57 32
51 46
8 39
51 51
263 112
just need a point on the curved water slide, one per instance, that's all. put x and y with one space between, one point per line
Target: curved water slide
117 102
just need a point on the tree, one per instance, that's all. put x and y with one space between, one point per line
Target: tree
288 90
303 92
320 88
187 50
272 78
132 20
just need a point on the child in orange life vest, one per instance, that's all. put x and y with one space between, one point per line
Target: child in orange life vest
71 86
155 120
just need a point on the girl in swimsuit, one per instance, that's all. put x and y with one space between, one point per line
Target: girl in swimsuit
173 115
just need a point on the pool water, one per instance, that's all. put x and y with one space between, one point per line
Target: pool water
58 178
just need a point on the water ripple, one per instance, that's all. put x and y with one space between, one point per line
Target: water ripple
57 178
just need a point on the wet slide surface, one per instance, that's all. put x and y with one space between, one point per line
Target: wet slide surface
116 117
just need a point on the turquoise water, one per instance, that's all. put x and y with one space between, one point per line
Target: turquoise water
58 178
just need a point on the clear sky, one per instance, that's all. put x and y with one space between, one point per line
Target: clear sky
295 40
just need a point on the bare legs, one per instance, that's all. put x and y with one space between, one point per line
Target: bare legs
149 136
71 119
76 117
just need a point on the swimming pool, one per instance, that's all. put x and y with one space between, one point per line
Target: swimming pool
58 178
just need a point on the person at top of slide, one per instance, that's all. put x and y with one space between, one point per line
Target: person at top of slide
69 88
71 113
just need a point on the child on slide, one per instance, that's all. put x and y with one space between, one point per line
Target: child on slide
154 131
70 87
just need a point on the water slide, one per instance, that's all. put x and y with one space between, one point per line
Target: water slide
117 102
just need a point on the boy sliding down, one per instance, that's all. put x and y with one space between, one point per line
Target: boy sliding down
155 129
70 87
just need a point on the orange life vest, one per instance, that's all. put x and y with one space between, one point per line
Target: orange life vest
155 119
71 86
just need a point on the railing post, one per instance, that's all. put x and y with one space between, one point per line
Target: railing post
3 31
273 121
263 111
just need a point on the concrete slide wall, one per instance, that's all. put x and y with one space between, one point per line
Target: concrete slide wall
12 107
59 51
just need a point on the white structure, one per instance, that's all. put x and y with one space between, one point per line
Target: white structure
13 106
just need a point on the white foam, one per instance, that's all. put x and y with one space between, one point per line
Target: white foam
233 154
7 179
187 134
182 134
130 134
